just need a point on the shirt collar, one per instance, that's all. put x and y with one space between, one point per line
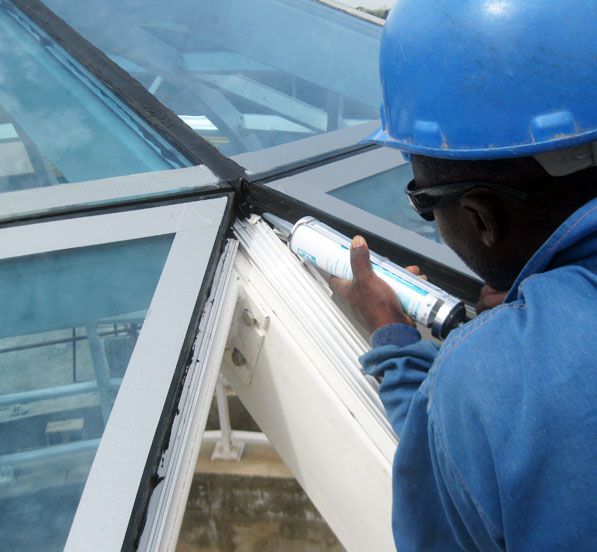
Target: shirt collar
578 226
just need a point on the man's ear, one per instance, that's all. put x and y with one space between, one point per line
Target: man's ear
484 217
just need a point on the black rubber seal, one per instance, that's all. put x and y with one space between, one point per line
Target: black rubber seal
166 123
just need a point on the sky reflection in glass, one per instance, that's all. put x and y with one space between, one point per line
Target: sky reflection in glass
56 124
383 195
246 75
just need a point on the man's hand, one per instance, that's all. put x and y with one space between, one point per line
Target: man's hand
367 293
489 298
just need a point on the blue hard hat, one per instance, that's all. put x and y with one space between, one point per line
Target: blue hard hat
485 79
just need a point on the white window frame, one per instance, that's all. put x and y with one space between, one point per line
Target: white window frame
108 499
305 389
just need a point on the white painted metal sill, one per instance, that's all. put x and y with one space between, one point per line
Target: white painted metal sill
292 358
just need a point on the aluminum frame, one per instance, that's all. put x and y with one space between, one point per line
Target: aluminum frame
120 467
66 198
302 155
307 392
327 328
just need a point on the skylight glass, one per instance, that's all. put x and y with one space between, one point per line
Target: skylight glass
57 124
244 75
70 323
382 194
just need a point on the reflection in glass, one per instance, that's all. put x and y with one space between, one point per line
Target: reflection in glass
69 326
383 195
56 124
245 75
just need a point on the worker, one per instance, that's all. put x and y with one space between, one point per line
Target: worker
495 103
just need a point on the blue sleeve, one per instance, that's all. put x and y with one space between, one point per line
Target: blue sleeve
432 511
402 360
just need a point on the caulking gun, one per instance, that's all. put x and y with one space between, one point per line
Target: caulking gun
321 246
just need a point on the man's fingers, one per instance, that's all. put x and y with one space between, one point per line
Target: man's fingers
360 261
416 271
359 258
340 286
489 298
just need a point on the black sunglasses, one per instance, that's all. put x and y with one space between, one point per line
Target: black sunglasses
424 200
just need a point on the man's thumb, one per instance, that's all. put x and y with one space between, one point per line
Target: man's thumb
359 258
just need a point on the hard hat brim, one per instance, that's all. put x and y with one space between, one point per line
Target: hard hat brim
383 138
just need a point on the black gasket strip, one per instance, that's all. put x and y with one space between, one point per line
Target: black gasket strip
195 148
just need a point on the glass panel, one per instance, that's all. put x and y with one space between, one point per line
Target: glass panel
56 124
70 322
383 195
245 75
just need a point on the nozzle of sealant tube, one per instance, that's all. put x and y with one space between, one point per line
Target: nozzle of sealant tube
282 227
318 244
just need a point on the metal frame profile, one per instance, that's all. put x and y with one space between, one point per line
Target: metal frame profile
121 478
82 197
305 154
168 502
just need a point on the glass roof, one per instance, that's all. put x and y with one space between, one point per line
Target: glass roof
56 124
244 75
95 334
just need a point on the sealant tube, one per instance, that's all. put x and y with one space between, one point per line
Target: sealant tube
323 247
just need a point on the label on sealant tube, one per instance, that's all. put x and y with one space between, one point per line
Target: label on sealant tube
415 301
330 251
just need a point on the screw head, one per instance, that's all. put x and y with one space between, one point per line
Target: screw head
247 318
237 357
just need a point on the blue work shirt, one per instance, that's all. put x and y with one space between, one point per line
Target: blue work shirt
498 427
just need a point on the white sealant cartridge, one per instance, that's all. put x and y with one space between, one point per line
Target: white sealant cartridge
318 244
